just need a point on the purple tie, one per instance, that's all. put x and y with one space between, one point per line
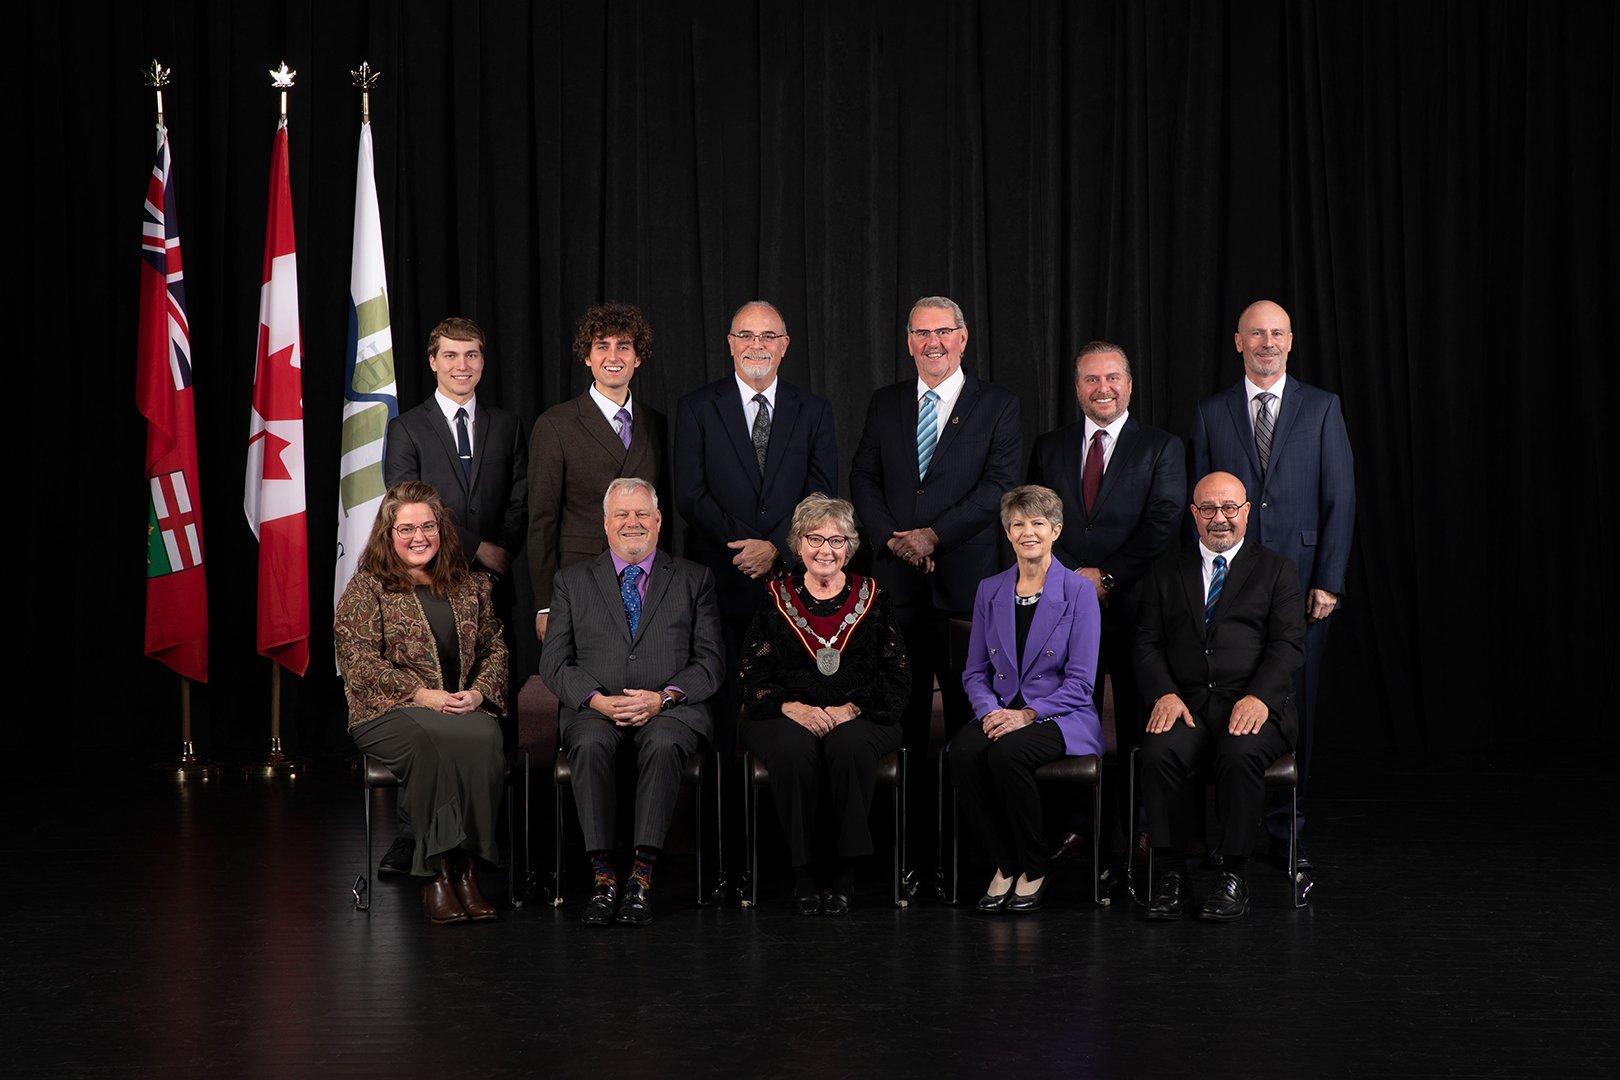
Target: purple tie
623 417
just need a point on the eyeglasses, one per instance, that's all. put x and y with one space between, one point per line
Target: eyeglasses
405 532
815 540
1207 510
748 337
924 335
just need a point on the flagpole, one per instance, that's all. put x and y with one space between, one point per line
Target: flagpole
277 763
190 766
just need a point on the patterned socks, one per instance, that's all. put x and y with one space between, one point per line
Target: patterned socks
602 869
641 870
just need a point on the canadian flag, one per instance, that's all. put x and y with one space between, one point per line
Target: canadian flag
274 491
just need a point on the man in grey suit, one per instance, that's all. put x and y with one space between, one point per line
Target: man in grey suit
633 654
474 456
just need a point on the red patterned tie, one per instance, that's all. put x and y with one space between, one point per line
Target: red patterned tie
1091 478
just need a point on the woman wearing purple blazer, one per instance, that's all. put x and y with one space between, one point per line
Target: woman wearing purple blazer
1032 659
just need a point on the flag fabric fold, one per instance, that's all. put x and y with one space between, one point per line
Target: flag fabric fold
176 588
370 393
274 498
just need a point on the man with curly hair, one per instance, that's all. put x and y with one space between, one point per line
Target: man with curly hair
581 446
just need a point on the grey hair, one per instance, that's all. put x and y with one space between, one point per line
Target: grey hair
1032 500
629 485
1093 348
941 302
818 507
774 310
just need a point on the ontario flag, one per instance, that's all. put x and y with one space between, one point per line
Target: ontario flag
176 590
274 491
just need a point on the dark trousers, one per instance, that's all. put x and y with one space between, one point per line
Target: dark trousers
837 770
592 743
1171 763
451 769
1306 682
997 793
926 631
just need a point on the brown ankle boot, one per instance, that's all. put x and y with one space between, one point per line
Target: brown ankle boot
464 876
439 898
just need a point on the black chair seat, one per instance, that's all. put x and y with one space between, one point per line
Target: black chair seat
1284 772
1071 770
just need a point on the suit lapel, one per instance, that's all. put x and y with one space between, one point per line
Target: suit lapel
787 415
597 428
1238 569
1237 404
1192 581
948 425
1005 623
1287 413
446 441
608 582
733 420
657 585
1048 613
481 429
1125 443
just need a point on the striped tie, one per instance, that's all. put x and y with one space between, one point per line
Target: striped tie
1215 582
1264 426
927 433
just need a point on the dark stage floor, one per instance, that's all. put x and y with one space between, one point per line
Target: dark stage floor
1462 926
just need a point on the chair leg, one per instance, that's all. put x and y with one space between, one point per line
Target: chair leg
902 898
751 830
697 800
1096 843
1300 889
557 847
1137 892
528 846
956 848
362 884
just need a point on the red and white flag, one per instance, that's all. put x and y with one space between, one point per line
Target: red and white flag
176 592
274 493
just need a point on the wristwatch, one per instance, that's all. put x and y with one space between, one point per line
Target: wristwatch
667 702
1108 581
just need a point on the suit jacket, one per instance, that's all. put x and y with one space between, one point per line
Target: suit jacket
975 461
574 455
1305 509
492 507
387 651
1138 509
1059 666
719 489
589 647
1253 645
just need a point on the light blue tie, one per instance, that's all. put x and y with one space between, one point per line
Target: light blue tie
1216 580
927 433
631 597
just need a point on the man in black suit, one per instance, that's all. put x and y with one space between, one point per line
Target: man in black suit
1122 483
633 654
1222 631
747 449
474 456
934 459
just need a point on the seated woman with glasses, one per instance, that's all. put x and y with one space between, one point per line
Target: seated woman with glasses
824 680
1032 659
424 669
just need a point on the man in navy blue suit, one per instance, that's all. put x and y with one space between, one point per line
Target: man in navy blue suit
747 449
1122 484
1286 443
937 453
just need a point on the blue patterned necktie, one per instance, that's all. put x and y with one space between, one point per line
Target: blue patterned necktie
1215 582
927 433
631 597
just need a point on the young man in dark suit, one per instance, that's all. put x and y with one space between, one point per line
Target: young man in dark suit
1221 634
1122 483
580 446
633 654
1286 443
474 456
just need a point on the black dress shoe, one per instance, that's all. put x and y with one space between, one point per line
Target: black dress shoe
835 904
1033 902
1229 901
1215 861
992 904
807 905
599 908
1170 900
637 907
397 859
1070 846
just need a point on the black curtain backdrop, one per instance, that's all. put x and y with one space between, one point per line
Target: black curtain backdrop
1429 188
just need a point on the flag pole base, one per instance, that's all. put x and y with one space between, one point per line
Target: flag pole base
190 766
276 765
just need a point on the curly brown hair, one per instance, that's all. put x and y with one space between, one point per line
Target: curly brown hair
614 320
449 564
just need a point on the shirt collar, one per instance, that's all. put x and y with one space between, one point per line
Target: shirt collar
1113 429
748 391
645 564
449 407
609 407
